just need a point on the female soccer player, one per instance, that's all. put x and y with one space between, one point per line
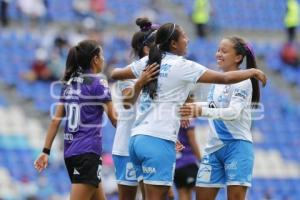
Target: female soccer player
228 158
83 100
128 91
155 130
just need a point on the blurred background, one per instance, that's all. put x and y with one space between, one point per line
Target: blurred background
34 39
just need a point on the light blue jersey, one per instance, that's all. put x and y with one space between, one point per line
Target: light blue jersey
126 118
229 114
124 170
228 157
159 117
154 133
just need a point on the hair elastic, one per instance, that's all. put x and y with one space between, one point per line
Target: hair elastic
249 49
149 37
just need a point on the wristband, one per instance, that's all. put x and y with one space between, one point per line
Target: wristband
46 151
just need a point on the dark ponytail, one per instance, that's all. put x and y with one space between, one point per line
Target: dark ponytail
155 55
165 34
144 37
251 63
71 64
79 58
242 48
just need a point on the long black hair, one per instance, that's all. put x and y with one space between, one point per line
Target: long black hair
242 48
79 58
164 36
144 37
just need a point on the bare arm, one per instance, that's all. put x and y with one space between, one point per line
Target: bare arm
122 73
42 161
193 143
211 76
130 96
111 113
54 125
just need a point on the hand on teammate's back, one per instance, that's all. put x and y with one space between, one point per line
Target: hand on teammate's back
150 73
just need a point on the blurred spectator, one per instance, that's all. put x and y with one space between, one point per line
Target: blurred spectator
98 6
47 14
34 9
39 68
93 13
201 15
26 188
291 19
4 14
81 7
289 54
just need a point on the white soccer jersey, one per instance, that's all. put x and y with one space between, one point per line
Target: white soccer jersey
126 118
159 117
230 114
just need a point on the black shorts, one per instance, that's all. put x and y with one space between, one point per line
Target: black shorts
85 168
186 176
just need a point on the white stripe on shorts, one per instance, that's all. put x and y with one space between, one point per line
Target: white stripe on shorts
158 182
210 185
239 183
128 183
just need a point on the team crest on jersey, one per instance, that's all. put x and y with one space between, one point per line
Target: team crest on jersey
226 89
103 82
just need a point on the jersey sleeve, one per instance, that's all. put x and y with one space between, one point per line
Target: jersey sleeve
192 124
62 98
240 99
122 85
192 71
138 66
102 91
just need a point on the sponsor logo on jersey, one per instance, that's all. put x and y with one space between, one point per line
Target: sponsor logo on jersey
164 70
240 93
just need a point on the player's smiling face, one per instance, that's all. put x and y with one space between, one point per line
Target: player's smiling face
226 56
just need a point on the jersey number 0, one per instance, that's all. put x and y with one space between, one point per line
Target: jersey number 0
73 113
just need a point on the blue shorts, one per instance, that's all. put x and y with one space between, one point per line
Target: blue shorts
124 171
230 165
153 158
